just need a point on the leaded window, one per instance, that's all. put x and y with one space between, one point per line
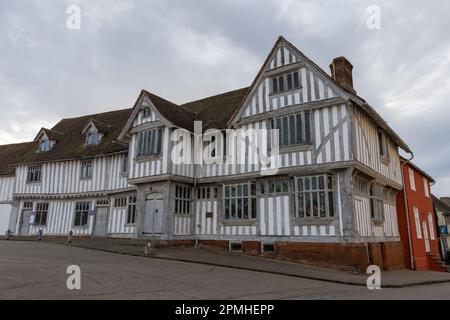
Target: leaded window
81 214
239 201
34 173
285 82
149 142
182 200
376 201
86 169
131 210
294 129
274 186
314 196
41 214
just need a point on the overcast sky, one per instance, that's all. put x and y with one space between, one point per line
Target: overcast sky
184 50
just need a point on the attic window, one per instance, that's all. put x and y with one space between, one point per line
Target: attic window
92 138
45 145
146 113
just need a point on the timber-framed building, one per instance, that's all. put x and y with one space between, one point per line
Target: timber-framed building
331 201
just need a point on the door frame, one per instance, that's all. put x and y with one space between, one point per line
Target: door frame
106 206
426 237
153 196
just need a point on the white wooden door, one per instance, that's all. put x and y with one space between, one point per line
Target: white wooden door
425 236
154 214
100 221
25 222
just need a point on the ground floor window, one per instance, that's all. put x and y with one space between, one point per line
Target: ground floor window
314 196
41 214
131 210
274 186
182 200
239 201
376 201
81 214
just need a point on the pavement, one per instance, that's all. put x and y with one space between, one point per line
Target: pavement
211 257
31 270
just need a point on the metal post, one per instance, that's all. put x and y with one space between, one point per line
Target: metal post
40 232
69 239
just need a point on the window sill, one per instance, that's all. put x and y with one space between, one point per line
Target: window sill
85 179
147 158
123 174
237 222
313 221
33 183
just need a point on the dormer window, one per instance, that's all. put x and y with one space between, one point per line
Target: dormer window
45 145
92 138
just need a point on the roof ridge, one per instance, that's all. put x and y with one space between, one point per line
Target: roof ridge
95 114
214 96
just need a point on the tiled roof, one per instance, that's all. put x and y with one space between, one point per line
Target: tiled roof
12 153
216 111
71 140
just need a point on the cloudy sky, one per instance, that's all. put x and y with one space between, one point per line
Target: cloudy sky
183 50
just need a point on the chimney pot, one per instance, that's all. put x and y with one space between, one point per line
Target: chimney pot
342 73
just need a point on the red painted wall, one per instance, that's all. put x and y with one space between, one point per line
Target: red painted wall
418 199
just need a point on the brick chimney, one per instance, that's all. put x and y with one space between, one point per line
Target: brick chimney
341 72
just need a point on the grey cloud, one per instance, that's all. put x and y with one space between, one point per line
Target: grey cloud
184 50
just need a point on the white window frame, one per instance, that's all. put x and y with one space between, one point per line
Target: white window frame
426 187
183 200
86 169
34 174
412 182
131 210
81 208
431 226
417 223
41 210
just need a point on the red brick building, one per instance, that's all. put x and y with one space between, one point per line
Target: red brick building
417 221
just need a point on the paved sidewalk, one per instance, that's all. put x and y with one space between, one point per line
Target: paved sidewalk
391 279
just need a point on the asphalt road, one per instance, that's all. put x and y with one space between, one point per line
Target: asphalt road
33 270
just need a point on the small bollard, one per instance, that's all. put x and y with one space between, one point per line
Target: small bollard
8 234
147 247
69 239
39 234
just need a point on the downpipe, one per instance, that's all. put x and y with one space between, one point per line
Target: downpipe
405 198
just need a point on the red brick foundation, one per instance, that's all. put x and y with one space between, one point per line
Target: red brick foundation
357 257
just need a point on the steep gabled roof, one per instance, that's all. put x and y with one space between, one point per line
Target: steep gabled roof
51 134
216 111
71 144
365 107
12 153
177 115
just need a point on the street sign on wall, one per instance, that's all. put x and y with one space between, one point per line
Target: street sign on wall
443 230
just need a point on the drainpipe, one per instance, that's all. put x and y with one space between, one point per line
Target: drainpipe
411 253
